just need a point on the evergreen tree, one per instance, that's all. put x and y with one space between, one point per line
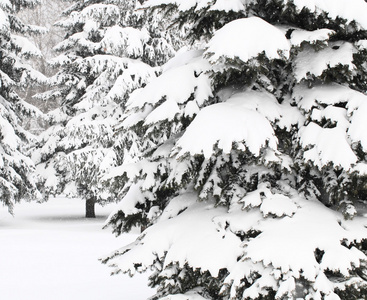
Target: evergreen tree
108 52
251 180
45 15
16 168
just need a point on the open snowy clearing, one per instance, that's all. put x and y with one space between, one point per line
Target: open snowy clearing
50 251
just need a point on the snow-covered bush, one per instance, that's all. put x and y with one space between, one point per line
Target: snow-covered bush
251 177
108 52
16 168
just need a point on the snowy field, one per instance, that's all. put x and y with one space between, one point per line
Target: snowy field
50 252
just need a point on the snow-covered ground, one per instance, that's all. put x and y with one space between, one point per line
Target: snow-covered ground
50 251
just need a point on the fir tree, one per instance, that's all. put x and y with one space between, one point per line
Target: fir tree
108 52
251 175
16 168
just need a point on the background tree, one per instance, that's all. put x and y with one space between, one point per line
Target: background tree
251 181
16 168
108 51
45 15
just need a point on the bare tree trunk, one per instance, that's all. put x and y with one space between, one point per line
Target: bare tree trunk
89 208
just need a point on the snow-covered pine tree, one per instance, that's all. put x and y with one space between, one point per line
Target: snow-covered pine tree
162 44
108 51
16 168
44 15
254 184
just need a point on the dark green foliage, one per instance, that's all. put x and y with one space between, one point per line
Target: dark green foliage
185 278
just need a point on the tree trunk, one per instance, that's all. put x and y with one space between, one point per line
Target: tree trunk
89 208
